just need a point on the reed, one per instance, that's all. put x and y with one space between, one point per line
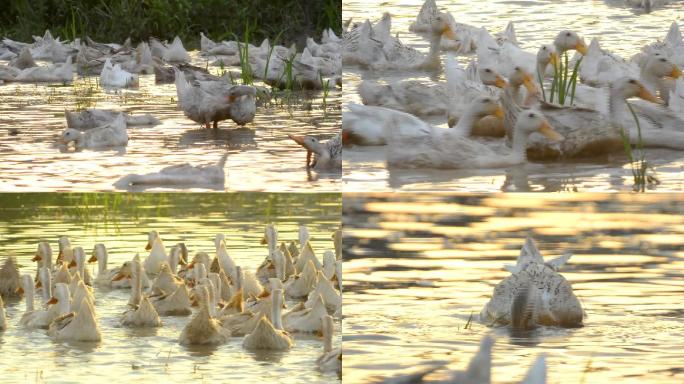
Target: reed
564 82
642 173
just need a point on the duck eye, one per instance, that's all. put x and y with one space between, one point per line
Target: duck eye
632 81
663 60
530 115
544 48
488 70
567 33
517 68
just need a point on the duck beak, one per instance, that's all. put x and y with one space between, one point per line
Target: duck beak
499 112
53 300
648 96
452 121
37 258
191 265
60 255
309 163
529 83
554 59
297 139
264 240
500 82
19 291
148 246
118 276
547 131
72 263
676 72
581 47
92 259
39 284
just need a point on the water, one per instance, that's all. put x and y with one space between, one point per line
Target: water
621 30
30 356
416 267
260 158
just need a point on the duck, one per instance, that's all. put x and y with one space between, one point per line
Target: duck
166 280
23 60
106 136
58 305
141 312
104 275
113 76
214 101
157 254
56 73
77 326
10 280
324 289
306 320
269 335
176 53
449 149
331 359
80 294
588 132
181 175
80 262
45 283
321 155
66 253
204 329
307 254
301 284
176 303
43 256
92 118
534 294
672 47
227 264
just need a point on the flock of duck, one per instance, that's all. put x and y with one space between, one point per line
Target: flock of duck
232 301
495 106
203 97
534 294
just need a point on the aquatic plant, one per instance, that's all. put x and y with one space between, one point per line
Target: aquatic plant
637 160
563 83
326 90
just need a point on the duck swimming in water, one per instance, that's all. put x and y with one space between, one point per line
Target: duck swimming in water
534 294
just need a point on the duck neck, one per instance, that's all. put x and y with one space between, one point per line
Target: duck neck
617 105
520 145
28 293
46 282
432 58
511 111
102 261
276 303
327 333
466 122
64 303
136 287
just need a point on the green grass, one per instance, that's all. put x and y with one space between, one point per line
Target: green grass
115 20
564 83
642 174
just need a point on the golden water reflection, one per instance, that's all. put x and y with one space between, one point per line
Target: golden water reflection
414 277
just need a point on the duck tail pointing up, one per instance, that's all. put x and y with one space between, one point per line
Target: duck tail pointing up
524 308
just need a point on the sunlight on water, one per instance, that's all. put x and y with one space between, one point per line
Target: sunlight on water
415 274
620 30
30 356
260 158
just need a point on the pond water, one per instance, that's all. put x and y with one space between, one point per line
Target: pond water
121 223
416 268
621 30
260 157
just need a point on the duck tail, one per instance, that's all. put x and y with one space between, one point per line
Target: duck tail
523 309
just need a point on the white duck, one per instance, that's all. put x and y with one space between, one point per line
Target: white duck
204 329
37 318
115 77
448 149
157 254
324 289
56 73
113 134
331 359
301 284
176 303
10 279
81 294
364 125
77 326
302 319
181 175
267 335
141 312
80 263
91 118
534 294
325 155
66 253
104 275
176 52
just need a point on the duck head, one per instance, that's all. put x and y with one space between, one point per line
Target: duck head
660 66
546 55
530 121
569 40
312 146
628 87
490 77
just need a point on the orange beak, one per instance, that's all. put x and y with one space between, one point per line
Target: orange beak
297 139
581 47
191 265
118 276
500 82
92 259
148 246
19 291
676 72
648 96
547 131
37 258
72 263
60 255
499 113
39 284
53 300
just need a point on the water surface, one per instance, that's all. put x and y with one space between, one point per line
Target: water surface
621 30
260 157
417 267
120 222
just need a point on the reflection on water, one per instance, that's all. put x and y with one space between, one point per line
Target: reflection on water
620 30
121 222
417 267
260 158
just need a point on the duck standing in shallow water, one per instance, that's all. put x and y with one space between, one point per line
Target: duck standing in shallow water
326 155
534 294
